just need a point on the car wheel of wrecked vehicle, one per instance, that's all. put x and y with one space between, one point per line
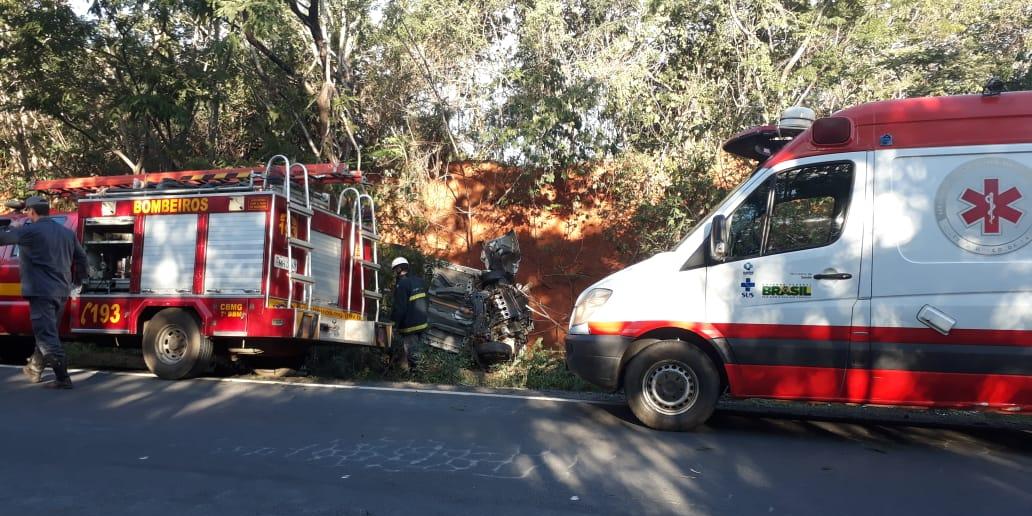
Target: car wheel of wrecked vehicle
672 385
173 346
489 353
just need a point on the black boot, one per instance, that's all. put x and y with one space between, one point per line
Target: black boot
34 369
60 366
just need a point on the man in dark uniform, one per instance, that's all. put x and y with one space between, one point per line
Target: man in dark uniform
47 250
408 313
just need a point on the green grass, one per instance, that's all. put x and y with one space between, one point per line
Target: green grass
538 368
89 355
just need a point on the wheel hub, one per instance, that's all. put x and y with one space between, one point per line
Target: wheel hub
670 387
172 344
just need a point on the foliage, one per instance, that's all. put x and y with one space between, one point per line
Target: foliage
644 89
537 368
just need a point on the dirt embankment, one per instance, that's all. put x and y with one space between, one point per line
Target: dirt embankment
564 232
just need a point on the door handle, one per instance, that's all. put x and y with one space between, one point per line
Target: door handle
832 276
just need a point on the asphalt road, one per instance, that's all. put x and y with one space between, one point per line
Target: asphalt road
131 444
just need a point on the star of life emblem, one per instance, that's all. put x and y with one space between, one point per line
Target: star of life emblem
983 206
989 206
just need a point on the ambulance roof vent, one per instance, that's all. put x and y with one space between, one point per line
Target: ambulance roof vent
797 117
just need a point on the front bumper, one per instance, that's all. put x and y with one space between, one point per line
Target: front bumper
596 358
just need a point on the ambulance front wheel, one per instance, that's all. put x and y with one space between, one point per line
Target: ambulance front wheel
173 346
672 385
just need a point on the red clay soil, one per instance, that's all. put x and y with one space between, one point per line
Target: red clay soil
561 232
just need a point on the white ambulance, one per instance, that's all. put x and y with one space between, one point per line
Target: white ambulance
878 256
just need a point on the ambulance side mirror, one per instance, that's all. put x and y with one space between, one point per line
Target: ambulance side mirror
718 238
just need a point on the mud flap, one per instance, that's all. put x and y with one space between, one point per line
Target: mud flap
384 335
307 325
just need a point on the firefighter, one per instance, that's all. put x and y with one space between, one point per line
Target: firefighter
408 313
47 250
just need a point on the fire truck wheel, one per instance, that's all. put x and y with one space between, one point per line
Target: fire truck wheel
173 346
672 385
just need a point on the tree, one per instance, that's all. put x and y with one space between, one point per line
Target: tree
647 90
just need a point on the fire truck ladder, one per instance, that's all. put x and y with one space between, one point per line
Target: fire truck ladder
302 210
363 232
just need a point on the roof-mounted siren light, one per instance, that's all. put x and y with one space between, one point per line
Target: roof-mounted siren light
796 119
761 142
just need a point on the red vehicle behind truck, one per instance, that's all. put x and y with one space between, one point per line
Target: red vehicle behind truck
244 261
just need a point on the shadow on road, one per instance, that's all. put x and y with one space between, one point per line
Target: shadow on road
528 453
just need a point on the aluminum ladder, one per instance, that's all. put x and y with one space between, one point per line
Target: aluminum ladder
302 209
363 232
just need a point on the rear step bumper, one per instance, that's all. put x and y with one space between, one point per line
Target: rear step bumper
311 325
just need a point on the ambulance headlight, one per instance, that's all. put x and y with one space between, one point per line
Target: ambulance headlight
591 302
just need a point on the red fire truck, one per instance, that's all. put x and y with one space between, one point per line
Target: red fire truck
240 260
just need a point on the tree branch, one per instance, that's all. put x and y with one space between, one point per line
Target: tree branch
296 9
136 167
416 55
802 48
264 50
64 120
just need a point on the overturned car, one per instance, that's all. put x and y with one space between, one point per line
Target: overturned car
484 311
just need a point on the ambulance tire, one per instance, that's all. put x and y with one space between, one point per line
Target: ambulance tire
173 346
672 385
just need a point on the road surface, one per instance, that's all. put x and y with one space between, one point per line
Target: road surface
131 444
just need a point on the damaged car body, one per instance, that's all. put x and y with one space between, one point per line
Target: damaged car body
484 311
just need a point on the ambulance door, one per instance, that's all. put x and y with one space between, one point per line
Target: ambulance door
783 296
951 305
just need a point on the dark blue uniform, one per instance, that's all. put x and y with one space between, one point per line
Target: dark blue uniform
410 303
47 251
409 314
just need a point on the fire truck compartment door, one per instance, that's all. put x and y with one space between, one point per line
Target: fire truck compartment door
235 254
169 250
326 269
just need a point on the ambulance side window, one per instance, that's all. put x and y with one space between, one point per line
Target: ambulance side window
746 232
809 207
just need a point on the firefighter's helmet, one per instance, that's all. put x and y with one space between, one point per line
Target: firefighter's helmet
398 262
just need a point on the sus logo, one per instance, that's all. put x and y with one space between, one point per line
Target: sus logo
982 206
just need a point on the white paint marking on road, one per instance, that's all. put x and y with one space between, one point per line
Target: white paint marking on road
346 476
351 387
574 498
412 455
144 458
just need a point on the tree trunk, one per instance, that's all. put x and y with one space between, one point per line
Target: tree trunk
24 151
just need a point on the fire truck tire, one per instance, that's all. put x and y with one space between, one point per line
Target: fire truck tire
173 346
672 385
